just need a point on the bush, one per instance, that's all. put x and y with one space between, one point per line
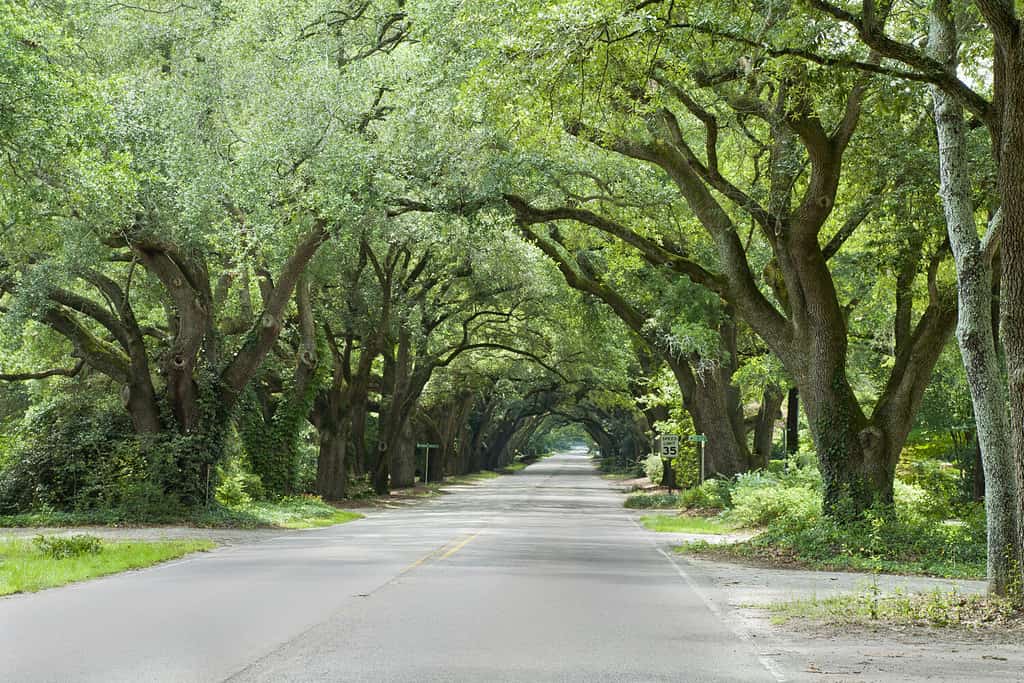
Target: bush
940 479
646 501
713 493
883 541
654 468
915 502
915 534
61 547
759 498
80 453
238 487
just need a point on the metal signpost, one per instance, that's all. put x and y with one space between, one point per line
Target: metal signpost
702 439
426 459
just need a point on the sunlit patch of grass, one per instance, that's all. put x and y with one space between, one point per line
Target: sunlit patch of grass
653 501
686 525
25 566
295 512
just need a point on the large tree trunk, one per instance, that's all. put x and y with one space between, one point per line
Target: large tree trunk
975 334
713 409
792 420
331 420
331 474
1011 172
764 426
848 452
139 399
402 457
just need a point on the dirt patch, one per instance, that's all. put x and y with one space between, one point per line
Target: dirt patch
636 484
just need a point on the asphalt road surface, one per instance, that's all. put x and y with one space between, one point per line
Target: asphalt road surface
541 576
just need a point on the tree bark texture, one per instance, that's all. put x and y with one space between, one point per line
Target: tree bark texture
974 332
764 425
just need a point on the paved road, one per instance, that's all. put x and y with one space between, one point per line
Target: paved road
541 576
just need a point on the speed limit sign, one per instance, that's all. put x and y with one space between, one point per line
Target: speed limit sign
669 445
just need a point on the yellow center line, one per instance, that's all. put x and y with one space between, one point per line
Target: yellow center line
460 546
442 553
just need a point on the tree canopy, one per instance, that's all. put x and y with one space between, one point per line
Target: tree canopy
289 242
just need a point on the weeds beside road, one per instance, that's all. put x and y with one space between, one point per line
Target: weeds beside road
31 565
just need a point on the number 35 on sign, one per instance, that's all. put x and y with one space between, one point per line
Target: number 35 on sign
669 445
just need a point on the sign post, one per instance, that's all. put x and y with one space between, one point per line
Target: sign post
426 459
702 439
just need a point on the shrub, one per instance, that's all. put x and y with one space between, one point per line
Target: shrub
915 502
238 487
653 468
63 456
942 480
713 493
759 498
79 453
61 547
645 501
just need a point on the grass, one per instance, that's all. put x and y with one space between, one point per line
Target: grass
295 512
469 478
26 568
299 512
686 525
755 552
934 609
653 501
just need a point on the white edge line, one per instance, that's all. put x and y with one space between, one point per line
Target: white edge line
767 663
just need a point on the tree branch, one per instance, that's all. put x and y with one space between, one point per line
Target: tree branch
57 372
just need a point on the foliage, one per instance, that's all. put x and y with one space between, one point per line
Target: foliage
644 501
654 468
61 547
760 498
76 452
294 512
238 487
712 494
915 536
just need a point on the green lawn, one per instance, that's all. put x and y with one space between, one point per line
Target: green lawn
24 567
296 512
686 525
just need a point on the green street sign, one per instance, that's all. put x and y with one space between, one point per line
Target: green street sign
698 438
427 445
